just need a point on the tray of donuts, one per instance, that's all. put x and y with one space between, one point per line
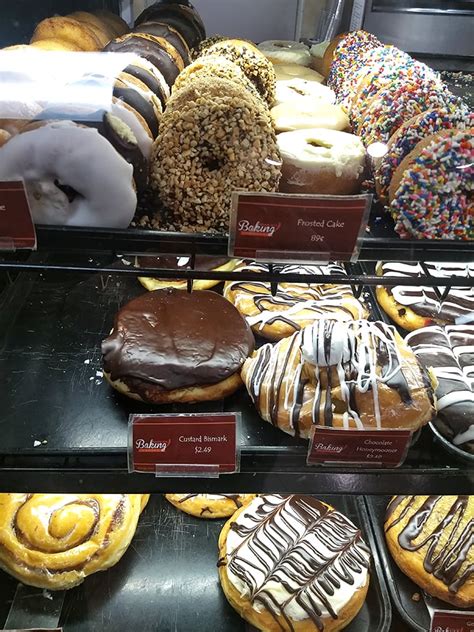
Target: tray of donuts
190 561
437 323
426 550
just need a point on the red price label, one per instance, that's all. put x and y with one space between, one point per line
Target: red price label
364 447
452 621
197 444
283 227
16 225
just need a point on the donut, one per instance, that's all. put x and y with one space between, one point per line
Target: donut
293 90
209 505
306 114
447 352
183 18
252 62
174 37
293 563
56 44
409 134
54 541
413 307
285 72
174 346
293 305
205 43
101 29
430 193
73 176
69 30
321 161
285 52
201 262
136 123
340 374
214 138
148 74
430 539
139 97
215 66
113 21
317 57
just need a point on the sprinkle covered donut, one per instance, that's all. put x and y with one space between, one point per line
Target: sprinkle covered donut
431 191
214 138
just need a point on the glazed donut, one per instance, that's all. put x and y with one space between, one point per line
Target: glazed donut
408 135
101 27
293 563
202 262
285 52
430 193
306 114
214 138
55 541
175 346
293 90
73 175
294 305
352 374
160 29
252 62
69 30
113 21
209 505
321 161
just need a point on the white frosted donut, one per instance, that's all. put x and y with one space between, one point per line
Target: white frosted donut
286 52
307 113
295 71
293 90
136 123
321 161
73 176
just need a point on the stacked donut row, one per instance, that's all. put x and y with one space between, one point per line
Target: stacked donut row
425 175
216 135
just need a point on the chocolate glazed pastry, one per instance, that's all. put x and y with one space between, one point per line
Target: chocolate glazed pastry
183 18
293 564
209 505
161 29
431 538
175 346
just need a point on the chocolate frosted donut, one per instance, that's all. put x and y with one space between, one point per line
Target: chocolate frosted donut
161 29
183 18
170 345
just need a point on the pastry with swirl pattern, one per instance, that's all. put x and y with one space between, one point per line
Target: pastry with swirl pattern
413 307
431 538
55 541
293 564
354 374
294 305
448 353
209 505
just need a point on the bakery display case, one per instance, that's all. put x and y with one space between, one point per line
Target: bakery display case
133 304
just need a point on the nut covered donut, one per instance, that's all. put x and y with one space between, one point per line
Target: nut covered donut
294 305
353 374
293 564
174 346
55 541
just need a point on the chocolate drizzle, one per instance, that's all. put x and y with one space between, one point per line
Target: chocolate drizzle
443 526
296 557
176 339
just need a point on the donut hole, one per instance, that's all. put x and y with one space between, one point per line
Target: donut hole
68 191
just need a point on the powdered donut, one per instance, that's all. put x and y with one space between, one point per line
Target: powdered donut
214 138
73 176
305 113
285 52
293 90
284 72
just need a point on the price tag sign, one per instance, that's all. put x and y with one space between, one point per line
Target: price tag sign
16 225
452 621
362 447
201 444
283 227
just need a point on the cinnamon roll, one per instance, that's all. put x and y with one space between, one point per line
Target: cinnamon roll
431 540
356 374
293 564
55 541
294 305
209 505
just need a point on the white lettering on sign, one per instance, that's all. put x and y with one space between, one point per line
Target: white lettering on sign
258 229
158 446
328 447
3 207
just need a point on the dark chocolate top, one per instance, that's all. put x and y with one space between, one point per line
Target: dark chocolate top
176 339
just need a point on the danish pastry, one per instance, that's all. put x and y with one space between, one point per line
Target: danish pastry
430 539
209 505
355 374
55 541
293 305
174 346
293 563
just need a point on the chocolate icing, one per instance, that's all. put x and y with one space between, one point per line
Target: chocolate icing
149 80
175 339
161 29
445 563
182 18
136 101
